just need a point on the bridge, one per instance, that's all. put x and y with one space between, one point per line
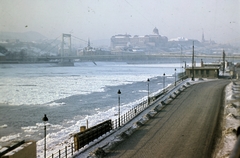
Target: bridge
135 56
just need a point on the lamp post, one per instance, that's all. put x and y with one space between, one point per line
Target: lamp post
164 82
182 73
119 93
148 90
193 63
185 66
45 119
175 76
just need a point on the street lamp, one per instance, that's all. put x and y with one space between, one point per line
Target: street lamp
119 93
175 76
182 73
148 90
164 82
45 119
193 63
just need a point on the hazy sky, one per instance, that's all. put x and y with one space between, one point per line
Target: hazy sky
101 19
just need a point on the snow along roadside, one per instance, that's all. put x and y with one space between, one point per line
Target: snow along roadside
231 120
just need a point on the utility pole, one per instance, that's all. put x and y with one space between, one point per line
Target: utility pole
148 91
223 61
193 63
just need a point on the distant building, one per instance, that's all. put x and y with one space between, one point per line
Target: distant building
204 71
179 39
128 43
203 39
207 41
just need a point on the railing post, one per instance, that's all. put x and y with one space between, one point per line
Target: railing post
121 120
125 118
132 114
113 125
72 148
66 151
59 153
52 155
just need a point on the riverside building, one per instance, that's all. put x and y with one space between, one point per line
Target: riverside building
137 43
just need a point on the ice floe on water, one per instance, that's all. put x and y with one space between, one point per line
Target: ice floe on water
9 138
3 126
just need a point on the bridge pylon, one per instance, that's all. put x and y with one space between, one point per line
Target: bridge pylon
66 45
66 51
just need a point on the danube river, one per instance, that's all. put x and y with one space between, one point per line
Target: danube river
71 95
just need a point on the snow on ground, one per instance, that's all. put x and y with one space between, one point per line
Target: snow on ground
231 119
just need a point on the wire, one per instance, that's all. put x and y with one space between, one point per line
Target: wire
140 13
80 39
52 48
50 44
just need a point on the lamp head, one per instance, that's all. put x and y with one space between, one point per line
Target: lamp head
45 118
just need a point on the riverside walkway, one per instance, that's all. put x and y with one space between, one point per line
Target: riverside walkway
187 127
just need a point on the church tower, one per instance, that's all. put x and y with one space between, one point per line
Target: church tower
89 43
203 40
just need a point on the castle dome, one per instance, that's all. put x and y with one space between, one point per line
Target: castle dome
155 30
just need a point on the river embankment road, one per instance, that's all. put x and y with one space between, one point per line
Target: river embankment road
187 127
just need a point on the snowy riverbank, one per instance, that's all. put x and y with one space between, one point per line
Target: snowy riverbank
231 119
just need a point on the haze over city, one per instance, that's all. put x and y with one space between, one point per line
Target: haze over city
101 19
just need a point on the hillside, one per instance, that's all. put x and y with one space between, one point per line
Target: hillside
25 36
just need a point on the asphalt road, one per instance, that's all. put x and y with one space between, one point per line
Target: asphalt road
187 127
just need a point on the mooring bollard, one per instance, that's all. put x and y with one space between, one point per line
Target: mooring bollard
87 123
82 128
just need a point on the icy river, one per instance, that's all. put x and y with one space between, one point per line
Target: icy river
71 95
